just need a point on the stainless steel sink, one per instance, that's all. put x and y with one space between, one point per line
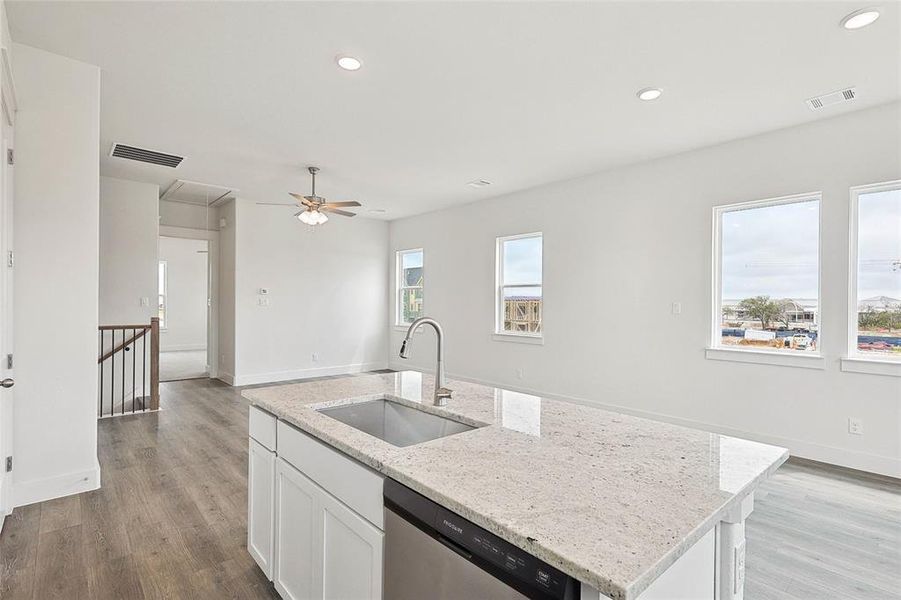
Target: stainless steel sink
397 424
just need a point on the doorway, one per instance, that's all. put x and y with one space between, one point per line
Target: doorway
184 307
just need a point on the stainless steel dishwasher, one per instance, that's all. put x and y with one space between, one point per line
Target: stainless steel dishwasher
431 552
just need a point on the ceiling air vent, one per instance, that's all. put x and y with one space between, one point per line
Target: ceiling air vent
479 183
845 95
144 155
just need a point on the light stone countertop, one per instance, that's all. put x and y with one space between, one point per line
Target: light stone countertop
611 499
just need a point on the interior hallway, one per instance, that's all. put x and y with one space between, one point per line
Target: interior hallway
182 364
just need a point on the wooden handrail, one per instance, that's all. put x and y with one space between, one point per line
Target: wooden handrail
126 343
109 327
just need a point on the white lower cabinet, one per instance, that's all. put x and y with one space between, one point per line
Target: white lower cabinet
297 535
351 553
323 549
260 505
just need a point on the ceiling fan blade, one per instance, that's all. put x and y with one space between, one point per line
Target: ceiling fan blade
276 204
346 203
302 199
336 211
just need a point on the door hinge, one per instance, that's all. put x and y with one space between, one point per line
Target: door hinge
10 259
9 361
9 464
10 156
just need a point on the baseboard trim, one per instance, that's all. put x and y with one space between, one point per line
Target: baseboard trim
39 490
852 459
276 376
225 377
183 347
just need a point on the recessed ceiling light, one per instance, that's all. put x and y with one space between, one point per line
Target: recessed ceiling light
860 18
377 211
649 93
349 63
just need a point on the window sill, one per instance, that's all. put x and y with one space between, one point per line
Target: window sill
518 338
762 357
871 366
404 328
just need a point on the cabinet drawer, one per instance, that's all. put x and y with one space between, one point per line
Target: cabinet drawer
354 484
262 427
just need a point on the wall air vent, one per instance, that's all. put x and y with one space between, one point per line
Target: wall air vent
146 156
819 102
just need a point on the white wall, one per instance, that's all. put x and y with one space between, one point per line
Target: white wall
129 228
328 295
57 275
634 240
226 359
186 310
193 216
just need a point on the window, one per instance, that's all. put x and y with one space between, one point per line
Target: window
409 285
162 287
519 294
875 319
766 276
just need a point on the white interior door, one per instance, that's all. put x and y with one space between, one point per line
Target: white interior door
7 375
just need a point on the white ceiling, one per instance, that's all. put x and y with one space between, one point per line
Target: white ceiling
516 93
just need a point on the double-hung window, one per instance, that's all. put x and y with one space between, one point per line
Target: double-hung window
519 285
875 299
409 286
767 276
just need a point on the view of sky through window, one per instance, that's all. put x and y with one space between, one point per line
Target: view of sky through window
879 245
522 264
771 251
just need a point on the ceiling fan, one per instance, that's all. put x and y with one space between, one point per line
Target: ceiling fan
314 207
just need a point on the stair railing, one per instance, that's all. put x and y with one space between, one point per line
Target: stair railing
124 381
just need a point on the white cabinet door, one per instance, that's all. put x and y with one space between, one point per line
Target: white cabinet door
260 505
351 554
297 533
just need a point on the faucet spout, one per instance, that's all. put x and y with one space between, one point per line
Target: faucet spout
441 391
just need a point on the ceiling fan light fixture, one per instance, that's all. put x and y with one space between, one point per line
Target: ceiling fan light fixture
349 63
312 217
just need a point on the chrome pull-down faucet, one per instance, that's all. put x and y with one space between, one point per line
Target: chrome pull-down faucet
442 393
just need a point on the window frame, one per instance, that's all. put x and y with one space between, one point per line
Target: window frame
400 287
499 332
164 294
855 360
715 349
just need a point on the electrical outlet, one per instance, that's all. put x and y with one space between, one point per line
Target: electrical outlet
262 301
855 425
519 373
145 301
677 308
315 357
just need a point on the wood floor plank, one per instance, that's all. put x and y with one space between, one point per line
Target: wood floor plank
170 520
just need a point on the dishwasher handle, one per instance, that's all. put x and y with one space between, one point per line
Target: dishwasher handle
452 545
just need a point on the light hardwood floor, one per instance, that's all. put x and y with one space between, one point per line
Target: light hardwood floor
170 519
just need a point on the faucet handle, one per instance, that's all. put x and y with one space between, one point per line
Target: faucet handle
442 394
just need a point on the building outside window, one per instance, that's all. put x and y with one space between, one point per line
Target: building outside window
409 286
766 280
875 319
519 285
162 286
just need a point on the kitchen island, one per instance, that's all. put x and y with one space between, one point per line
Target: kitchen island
631 508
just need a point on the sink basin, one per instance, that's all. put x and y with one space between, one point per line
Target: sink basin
397 424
